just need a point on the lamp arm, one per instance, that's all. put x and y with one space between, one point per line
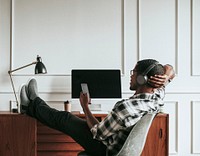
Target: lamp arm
11 71
12 83
13 87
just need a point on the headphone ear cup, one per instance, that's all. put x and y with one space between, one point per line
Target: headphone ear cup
142 79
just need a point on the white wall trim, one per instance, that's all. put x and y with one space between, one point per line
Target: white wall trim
193 145
123 52
192 39
175 35
176 110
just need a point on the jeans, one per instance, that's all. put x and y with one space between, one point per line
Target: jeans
67 123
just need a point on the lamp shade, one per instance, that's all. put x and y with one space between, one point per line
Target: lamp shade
40 67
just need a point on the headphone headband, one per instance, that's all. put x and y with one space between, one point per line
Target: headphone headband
149 68
142 78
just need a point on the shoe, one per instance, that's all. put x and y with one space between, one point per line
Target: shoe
24 100
32 90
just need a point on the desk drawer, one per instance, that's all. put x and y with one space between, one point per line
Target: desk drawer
51 142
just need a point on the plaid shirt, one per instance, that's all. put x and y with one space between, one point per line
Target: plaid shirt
115 128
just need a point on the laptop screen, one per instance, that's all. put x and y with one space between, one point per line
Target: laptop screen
101 83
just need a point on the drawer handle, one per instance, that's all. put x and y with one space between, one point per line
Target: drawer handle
160 133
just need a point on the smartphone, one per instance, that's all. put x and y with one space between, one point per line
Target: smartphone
84 88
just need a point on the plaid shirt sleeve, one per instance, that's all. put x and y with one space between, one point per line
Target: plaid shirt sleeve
107 127
126 113
119 118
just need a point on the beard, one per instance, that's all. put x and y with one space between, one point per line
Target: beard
132 87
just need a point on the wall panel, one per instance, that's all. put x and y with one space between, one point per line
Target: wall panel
195 105
158 30
171 108
68 34
195 35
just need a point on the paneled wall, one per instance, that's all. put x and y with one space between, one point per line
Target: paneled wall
109 34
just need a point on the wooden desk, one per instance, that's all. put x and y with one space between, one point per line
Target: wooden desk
157 143
53 143
21 135
17 135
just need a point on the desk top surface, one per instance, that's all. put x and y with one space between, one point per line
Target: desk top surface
77 113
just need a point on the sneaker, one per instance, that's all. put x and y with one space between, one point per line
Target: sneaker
24 100
32 90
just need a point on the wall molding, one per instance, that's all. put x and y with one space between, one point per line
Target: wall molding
176 122
192 39
194 147
12 33
175 35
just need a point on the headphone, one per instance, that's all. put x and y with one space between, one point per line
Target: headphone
142 78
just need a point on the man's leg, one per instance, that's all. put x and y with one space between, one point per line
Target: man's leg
67 123
63 121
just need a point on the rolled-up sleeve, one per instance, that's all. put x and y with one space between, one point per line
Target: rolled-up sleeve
107 127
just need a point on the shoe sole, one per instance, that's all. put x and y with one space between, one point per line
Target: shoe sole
19 99
29 81
27 84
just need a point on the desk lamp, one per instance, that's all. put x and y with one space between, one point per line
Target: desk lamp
39 69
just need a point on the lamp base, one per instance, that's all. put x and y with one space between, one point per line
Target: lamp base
15 110
14 107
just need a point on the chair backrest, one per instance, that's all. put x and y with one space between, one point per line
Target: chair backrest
135 142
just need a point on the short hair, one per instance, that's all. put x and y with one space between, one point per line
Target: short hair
142 66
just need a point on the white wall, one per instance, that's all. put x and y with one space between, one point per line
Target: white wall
106 34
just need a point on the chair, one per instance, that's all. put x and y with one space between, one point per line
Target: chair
135 142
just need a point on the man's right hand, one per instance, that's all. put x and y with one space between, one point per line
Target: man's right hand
158 81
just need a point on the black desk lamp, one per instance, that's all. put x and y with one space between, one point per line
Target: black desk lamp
39 69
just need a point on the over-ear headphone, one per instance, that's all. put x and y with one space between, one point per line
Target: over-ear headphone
142 78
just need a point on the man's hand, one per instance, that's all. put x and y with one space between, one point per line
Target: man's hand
158 81
90 119
84 100
169 71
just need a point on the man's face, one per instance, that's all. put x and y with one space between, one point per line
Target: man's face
133 82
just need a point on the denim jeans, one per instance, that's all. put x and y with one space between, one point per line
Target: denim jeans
67 123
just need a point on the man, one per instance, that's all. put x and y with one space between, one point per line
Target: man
106 137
